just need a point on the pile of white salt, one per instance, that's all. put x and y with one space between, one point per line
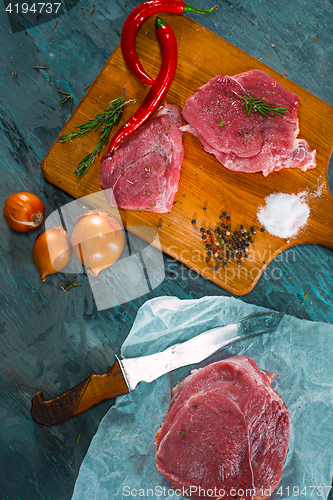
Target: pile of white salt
284 214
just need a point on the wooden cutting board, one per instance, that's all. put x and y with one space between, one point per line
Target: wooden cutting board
206 188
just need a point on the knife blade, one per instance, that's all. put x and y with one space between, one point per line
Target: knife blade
125 374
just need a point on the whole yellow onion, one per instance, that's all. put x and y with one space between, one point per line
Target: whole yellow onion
23 211
97 240
51 251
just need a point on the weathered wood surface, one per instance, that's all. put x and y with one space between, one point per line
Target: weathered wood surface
204 183
52 340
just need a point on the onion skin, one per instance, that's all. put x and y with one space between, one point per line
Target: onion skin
97 240
51 251
23 212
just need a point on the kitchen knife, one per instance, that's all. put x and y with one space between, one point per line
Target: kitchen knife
125 374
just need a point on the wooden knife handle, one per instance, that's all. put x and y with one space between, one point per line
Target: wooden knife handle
80 398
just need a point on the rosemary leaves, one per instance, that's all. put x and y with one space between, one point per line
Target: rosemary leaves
261 106
68 97
108 119
264 108
69 285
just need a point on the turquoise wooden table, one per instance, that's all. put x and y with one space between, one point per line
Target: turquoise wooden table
52 340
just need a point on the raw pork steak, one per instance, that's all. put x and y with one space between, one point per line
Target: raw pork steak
144 170
254 143
226 431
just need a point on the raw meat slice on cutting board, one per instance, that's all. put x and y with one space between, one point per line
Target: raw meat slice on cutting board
226 430
255 143
145 168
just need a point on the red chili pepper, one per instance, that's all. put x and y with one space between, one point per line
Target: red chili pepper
136 19
157 92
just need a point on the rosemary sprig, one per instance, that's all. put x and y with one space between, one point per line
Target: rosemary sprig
68 97
109 118
94 123
86 162
69 285
261 106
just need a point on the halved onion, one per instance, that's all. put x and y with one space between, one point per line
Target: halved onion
97 240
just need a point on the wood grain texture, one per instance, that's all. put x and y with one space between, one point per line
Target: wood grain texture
204 182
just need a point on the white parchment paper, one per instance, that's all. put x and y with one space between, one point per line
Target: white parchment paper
120 461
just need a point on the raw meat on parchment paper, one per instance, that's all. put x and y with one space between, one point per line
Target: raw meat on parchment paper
226 430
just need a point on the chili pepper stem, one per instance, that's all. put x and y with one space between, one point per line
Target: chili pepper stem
159 22
189 8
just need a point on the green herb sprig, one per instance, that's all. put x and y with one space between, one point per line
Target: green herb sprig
109 118
69 285
261 106
68 97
